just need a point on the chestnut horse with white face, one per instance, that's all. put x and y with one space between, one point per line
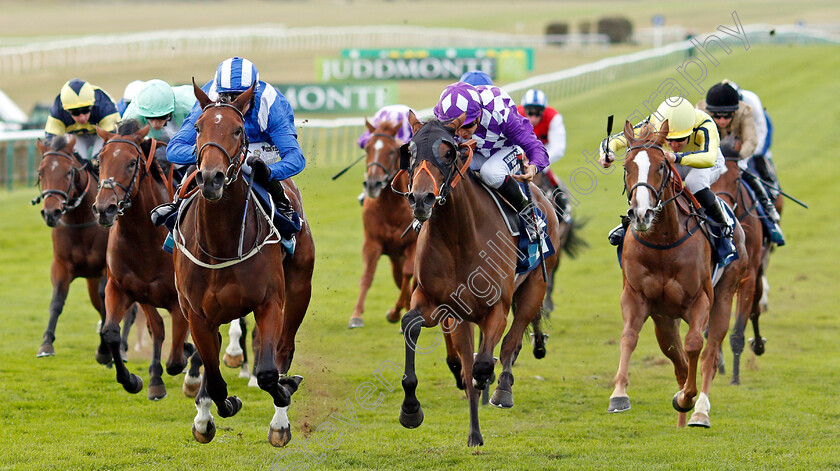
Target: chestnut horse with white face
218 284
667 273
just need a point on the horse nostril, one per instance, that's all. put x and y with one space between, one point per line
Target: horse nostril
429 199
411 199
199 178
94 210
218 179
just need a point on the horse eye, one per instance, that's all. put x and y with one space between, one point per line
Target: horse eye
132 163
197 131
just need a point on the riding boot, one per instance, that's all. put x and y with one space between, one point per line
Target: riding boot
617 234
714 211
512 192
762 196
275 189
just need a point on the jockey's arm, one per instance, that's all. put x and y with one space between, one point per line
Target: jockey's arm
707 139
749 138
181 149
281 128
519 131
556 145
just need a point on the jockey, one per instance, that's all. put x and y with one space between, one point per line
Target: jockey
476 77
549 128
274 152
762 160
734 117
162 107
131 91
78 109
693 145
501 135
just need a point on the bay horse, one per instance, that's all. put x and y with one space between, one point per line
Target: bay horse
385 216
218 284
131 185
464 269
731 188
68 185
667 275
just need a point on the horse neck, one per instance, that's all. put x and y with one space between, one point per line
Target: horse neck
136 219
218 223
81 214
455 223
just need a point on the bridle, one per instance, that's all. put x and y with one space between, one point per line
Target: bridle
67 202
109 183
392 167
657 193
452 174
234 166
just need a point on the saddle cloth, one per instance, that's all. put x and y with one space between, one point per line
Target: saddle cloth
528 256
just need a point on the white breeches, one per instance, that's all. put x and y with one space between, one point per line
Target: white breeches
698 178
494 169
88 145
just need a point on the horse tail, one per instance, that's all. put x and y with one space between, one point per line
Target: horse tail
575 244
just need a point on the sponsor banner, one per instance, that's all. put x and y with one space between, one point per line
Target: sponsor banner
338 98
499 53
428 68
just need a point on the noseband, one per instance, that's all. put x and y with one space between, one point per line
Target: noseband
109 183
657 193
67 203
234 166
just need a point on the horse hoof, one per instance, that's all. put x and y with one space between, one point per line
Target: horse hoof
735 381
619 404
539 352
757 346
699 419
355 323
253 383
392 316
480 385
233 405
475 439
234 361
676 403
156 392
46 350
103 358
411 420
206 437
279 437
502 399
244 371
191 386
134 384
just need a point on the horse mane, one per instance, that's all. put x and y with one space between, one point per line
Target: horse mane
57 143
388 127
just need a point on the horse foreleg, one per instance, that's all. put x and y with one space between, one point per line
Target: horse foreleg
234 354
667 331
128 322
157 390
697 316
370 254
462 337
493 327
411 413
634 314
453 361
718 325
180 351
61 278
244 370
116 304
403 269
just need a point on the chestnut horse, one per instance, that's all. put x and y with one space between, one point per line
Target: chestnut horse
386 216
464 270
79 243
731 188
218 284
667 275
131 185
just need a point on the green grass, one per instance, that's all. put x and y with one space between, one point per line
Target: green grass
67 412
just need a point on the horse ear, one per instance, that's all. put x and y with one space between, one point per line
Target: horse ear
369 126
203 99
629 133
71 143
42 148
663 133
243 101
105 135
141 134
413 121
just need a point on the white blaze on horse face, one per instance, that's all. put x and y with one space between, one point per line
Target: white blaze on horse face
377 147
53 166
218 118
642 161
